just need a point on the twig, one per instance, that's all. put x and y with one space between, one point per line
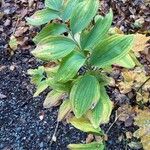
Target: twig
140 88
116 118
54 135
142 85
16 26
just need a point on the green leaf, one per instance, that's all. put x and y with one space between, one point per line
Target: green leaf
54 4
126 62
52 98
102 111
70 66
50 29
59 86
84 93
98 32
36 75
68 8
53 48
83 14
90 146
84 125
113 48
40 88
42 16
51 72
64 109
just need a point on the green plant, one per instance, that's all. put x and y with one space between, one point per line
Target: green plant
79 43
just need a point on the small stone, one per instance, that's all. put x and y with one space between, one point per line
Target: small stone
7 22
2 96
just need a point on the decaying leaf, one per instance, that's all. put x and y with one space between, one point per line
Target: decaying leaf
140 42
135 145
126 114
64 109
13 43
52 99
143 121
126 85
138 81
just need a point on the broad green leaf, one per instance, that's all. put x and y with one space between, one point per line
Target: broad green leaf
102 111
42 16
64 109
58 86
52 98
84 93
70 66
126 62
68 8
54 4
50 29
40 88
89 146
84 125
110 50
98 32
53 47
83 14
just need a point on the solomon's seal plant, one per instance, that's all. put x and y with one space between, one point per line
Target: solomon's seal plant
82 48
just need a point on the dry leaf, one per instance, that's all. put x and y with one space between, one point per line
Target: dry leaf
143 121
140 43
126 114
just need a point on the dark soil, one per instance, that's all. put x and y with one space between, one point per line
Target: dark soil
20 114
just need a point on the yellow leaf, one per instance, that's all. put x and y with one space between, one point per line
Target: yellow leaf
13 43
143 121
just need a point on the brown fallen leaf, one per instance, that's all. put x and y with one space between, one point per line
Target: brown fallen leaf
140 43
89 138
20 31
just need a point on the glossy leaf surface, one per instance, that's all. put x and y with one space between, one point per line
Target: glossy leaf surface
84 93
83 14
42 16
53 47
50 29
112 49
70 66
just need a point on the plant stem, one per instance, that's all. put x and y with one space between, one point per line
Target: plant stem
54 135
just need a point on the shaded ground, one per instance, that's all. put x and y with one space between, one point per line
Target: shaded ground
22 127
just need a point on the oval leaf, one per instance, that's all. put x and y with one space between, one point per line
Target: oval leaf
70 66
52 99
40 88
53 48
84 93
84 125
98 32
50 29
42 16
64 109
90 146
112 49
68 8
54 4
126 62
102 111
83 14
